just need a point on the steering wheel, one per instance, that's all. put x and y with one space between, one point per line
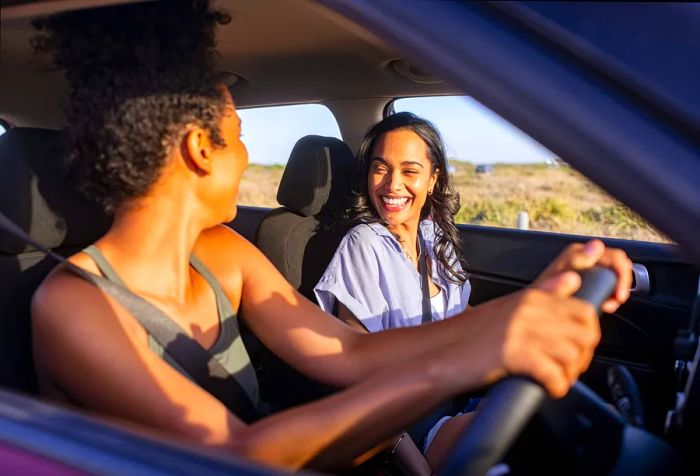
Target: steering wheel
511 403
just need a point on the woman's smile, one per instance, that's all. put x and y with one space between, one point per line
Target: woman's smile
393 203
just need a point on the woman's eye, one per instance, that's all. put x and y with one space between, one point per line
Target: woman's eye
410 171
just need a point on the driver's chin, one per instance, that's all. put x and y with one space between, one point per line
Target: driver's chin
232 214
229 214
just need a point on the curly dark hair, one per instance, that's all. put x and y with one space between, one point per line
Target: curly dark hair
441 205
138 74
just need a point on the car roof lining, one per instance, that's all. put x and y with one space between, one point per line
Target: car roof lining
284 52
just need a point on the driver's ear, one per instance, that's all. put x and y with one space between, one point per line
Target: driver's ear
198 150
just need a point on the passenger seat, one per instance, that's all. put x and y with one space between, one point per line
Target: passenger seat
297 239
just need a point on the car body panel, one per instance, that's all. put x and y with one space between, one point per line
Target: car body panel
86 445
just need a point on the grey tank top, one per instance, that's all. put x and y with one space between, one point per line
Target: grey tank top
228 348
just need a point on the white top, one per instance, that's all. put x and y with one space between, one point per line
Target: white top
438 304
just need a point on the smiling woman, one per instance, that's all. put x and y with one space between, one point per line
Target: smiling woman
402 179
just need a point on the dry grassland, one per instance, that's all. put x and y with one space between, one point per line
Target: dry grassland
557 199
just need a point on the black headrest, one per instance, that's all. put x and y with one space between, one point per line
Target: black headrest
318 173
35 195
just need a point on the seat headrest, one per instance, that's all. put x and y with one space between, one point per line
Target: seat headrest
318 174
34 194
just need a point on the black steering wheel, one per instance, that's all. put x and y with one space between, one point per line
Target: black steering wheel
512 402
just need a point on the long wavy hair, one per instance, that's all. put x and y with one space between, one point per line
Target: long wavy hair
441 205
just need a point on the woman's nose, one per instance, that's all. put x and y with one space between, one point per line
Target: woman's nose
396 183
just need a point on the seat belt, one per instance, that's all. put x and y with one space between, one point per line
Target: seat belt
204 369
427 315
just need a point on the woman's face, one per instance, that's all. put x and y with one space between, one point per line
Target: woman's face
231 160
400 177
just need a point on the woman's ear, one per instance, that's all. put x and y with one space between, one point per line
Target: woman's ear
198 150
433 180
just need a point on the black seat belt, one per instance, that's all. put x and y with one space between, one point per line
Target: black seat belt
425 284
204 369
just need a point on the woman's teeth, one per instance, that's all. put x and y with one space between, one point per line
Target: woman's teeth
395 202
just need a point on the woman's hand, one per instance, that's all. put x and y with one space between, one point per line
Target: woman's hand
546 334
579 256
550 336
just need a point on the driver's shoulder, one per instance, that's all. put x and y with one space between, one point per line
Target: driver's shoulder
63 285
66 305
218 239
225 253
221 244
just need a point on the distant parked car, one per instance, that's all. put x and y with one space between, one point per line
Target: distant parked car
484 168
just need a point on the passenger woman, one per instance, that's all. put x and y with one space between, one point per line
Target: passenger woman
155 139
403 248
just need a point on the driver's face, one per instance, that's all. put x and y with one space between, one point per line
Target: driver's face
232 159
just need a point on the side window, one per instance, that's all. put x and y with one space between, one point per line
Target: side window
269 134
506 179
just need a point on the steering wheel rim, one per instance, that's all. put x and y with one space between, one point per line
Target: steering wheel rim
511 403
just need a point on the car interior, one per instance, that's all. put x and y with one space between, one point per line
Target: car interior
279 52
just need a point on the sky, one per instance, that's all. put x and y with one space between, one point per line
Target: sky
471 132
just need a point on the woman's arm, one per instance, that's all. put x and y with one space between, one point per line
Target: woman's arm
540 325
90 349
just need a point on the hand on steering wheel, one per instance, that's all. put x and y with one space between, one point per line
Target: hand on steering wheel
510 404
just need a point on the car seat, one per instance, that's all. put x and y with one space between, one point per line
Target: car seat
299 237
300 240
34 194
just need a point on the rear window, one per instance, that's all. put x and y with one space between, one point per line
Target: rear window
269 134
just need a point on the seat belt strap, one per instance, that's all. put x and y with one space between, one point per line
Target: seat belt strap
425 284
204 369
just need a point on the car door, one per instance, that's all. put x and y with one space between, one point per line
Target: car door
640 335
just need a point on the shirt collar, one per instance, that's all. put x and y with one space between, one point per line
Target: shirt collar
426 226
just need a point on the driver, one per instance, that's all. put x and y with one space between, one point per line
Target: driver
155 139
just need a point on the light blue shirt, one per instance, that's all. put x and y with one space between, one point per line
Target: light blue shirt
374 279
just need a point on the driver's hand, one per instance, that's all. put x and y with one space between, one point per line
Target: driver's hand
579 256
547 335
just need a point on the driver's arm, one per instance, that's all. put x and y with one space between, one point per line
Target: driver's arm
94 351
327 350
324 348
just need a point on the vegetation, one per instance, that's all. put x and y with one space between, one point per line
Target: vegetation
556 198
